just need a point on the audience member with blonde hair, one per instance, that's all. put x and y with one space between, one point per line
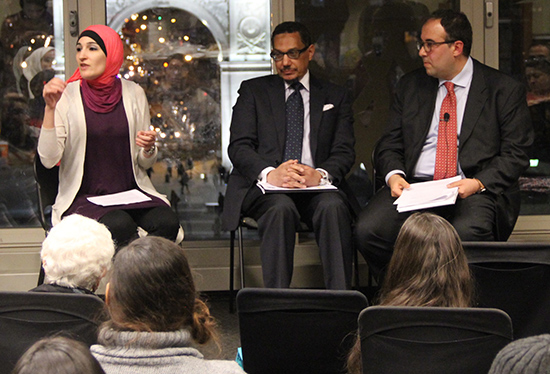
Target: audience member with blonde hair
155 315
428 268
76 255
57 355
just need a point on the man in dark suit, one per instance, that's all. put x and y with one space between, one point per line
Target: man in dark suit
491 136
263 135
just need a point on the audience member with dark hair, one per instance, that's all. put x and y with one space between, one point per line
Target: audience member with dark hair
155 314
76 255
57 355
524 356
428 268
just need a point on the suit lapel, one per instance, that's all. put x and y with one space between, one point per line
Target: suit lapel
316 102
474 105
276 94
425 104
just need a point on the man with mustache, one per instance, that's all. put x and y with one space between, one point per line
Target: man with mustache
455 116
294 131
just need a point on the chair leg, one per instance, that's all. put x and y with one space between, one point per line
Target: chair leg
41 275
232 272
241 256
356 281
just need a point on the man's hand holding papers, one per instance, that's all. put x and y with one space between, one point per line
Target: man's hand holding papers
428 195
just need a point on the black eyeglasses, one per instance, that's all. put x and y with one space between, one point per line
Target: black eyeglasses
293 54
430 44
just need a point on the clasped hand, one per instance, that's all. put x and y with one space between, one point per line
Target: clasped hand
291 174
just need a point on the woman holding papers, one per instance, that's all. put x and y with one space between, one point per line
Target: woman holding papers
96 127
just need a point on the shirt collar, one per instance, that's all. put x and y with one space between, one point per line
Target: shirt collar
463 78
304 81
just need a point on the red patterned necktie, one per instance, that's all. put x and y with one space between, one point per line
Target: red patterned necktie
446 152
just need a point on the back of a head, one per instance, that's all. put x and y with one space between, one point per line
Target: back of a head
77 252
151 287
58 355
524 356
428 266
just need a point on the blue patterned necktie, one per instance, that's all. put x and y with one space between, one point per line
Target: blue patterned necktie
294 124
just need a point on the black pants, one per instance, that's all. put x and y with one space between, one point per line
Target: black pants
158 221
379 223
279 215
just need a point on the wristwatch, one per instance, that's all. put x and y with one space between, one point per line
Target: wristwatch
151 150
324 177
481 186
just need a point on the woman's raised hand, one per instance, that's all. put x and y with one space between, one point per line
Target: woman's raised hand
52 92
146 139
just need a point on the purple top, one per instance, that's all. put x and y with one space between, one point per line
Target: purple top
107 164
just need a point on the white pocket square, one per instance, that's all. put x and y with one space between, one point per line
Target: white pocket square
327 107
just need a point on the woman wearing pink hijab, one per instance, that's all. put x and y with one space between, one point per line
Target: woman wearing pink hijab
96 127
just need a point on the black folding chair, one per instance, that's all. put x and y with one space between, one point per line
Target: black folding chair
431 340
514 277
47 184
26 317
297 331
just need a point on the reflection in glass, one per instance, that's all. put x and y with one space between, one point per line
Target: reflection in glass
27 61
524 52
174 57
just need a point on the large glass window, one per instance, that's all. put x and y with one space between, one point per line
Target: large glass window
174 57
190 58
524 50
30 56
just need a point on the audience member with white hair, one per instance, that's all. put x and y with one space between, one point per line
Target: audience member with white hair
76 254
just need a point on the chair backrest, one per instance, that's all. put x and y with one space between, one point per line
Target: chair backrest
431 340
514 277
297 331
47 181
26 317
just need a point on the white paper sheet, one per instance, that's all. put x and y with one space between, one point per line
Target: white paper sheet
427 195
120 198
269 188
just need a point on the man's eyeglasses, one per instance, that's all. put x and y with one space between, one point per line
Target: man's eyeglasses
430 44
293 54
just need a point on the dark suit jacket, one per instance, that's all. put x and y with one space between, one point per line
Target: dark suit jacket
495 136
258 133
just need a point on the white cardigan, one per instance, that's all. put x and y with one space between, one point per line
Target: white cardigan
67 143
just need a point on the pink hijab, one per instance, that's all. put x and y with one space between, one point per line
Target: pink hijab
103 93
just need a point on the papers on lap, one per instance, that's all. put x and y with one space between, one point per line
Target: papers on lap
427 195
120 198
269 188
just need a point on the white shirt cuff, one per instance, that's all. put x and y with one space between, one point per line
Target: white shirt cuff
263 175
326 179
393 172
